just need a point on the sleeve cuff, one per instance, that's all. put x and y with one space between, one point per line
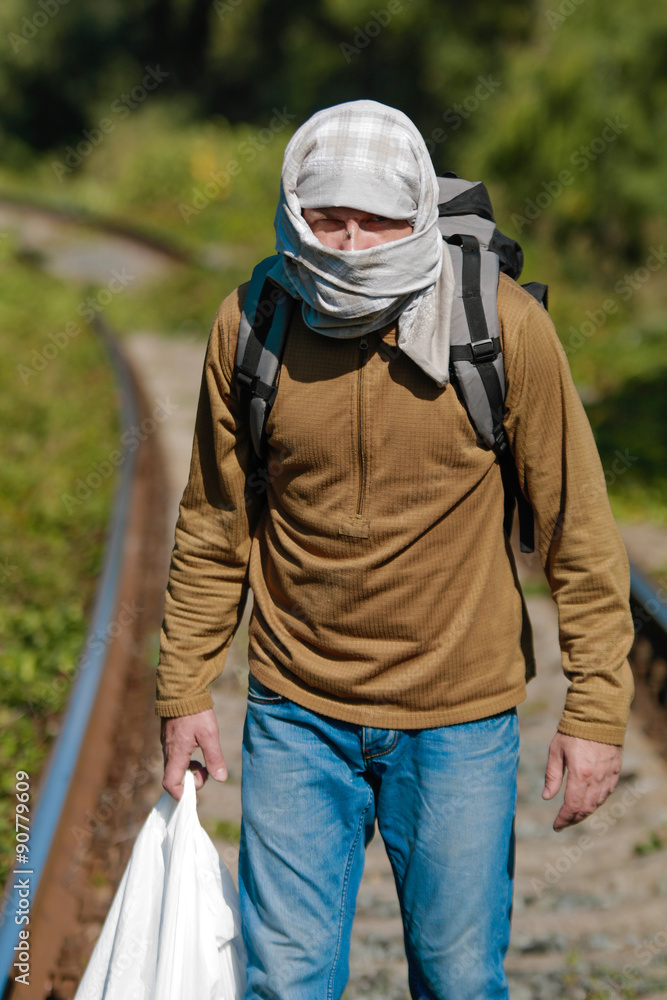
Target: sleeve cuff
184 706
598 731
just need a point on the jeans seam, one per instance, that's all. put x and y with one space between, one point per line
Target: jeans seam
346 882
381 753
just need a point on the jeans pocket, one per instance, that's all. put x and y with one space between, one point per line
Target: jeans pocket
258 692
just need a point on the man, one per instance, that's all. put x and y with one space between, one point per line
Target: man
385 644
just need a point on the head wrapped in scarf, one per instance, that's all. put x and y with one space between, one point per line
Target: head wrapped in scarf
369 157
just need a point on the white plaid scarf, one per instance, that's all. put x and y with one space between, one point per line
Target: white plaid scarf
369 157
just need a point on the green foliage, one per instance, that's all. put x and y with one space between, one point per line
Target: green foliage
241 59
225 829
654 842
602 63
630 427
57 418
208 187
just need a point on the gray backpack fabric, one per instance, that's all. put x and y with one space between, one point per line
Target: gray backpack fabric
479 251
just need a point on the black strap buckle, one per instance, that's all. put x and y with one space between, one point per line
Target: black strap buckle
483 350
245 380
502 445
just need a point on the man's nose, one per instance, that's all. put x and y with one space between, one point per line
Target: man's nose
350 234
353 237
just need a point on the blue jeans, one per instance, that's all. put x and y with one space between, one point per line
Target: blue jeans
444 800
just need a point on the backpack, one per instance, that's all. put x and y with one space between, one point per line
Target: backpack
479 251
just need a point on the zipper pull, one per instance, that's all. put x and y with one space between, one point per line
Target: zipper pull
363 344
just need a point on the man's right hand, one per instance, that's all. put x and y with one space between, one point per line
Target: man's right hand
179 738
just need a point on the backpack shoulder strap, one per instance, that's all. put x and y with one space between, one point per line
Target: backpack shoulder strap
266 315
478 252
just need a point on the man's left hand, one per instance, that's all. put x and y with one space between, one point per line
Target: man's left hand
592 774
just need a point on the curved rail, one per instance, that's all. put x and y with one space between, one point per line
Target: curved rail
57 778
649 611
84 217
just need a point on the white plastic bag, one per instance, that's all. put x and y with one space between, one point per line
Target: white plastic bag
173 931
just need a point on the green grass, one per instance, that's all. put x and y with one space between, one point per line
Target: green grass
225 829
209 188
654 842
618 360
630 424
57 419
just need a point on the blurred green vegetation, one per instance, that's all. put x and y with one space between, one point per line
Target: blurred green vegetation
57 418
207 187
65 65
654 842
224 829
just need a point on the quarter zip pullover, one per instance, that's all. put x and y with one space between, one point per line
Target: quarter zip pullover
384 590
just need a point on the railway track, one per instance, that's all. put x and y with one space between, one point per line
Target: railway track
102 795
90 796
106 763
649 655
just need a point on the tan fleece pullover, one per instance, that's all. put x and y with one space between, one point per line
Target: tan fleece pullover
384 591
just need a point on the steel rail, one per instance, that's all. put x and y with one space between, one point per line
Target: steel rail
77 215
57 777
649 611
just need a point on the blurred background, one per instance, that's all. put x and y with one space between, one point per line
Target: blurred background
169 118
